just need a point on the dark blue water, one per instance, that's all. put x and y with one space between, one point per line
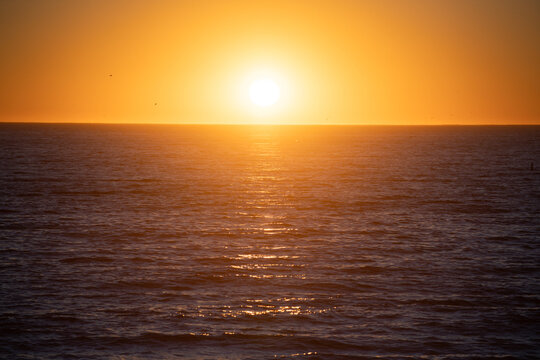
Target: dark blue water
261 242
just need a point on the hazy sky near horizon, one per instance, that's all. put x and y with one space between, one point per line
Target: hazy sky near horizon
340 61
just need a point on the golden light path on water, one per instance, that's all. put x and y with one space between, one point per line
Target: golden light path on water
267 261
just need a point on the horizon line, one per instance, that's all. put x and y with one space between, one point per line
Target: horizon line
255 124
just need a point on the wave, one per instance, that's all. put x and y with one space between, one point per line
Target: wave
266 342
88 259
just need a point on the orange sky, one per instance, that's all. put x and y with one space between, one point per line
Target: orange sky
337 62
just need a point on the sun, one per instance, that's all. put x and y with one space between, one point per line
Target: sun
264 92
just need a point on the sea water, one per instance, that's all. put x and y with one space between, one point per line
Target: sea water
262 242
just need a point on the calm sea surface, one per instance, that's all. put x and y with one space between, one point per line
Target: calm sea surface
261 242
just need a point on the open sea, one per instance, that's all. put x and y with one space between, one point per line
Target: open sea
269 242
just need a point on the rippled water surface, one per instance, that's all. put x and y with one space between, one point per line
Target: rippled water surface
261 242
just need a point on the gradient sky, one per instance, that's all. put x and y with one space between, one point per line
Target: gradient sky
339 61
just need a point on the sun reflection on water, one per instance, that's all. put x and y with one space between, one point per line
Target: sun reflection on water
263 256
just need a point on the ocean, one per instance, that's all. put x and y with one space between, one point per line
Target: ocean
269 242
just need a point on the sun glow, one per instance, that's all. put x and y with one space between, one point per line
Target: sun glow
244 62
264 92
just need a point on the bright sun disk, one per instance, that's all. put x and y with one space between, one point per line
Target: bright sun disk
264 92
